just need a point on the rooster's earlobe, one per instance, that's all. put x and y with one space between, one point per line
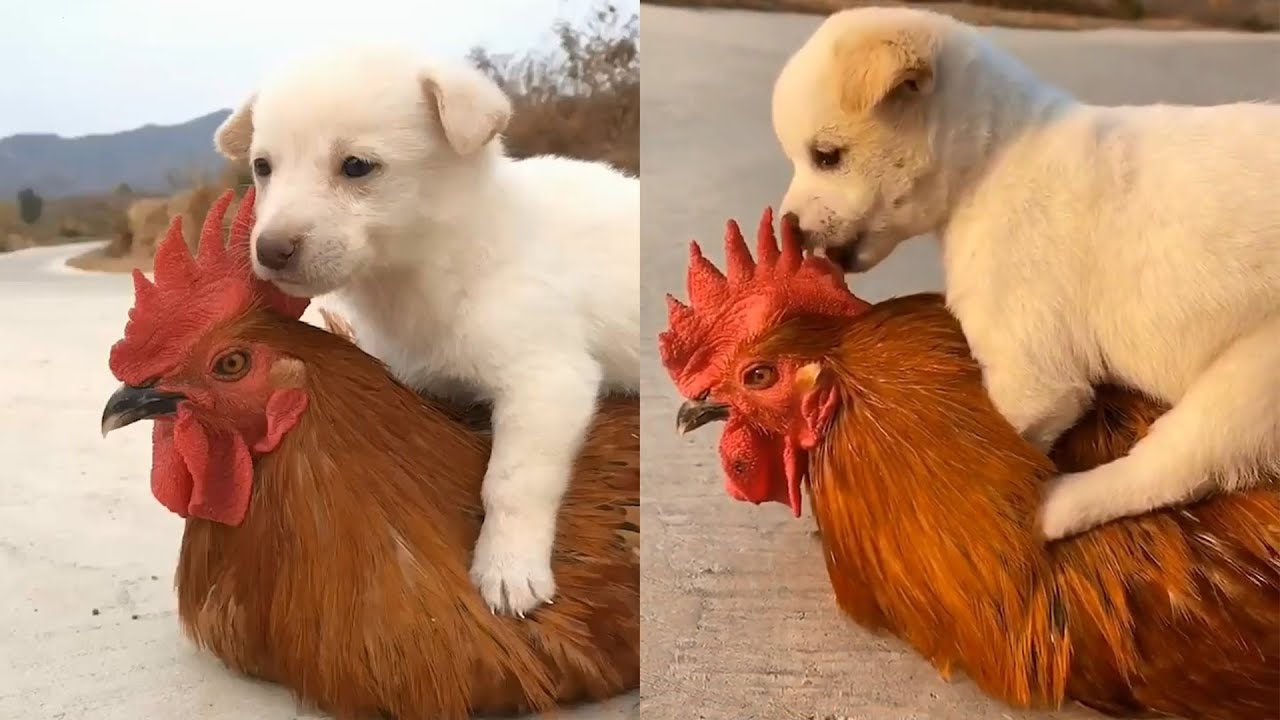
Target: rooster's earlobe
471 109
809 377
235 135
819 399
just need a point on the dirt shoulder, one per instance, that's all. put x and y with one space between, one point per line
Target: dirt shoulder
100 259
1242 15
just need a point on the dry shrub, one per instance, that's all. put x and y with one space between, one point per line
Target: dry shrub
149 219
236 175
1249 15
12 236
12 241
9 214
146 217
66 219
193 205
582 101
1252 15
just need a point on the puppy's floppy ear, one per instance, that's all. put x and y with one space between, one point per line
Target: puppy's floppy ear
471 107
234 136
871 68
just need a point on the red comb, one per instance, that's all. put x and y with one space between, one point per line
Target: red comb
752 297
191 294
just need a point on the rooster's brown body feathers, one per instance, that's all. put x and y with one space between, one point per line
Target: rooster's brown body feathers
926 500
348 580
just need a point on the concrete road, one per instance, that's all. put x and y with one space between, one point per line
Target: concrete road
739 621
88 622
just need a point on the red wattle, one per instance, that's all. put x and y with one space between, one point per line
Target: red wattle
752 464
170 480
197 473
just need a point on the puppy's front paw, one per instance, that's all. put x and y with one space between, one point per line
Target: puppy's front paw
1056 517
1074 503
512 566
1043 441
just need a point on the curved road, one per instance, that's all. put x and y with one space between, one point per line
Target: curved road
739 621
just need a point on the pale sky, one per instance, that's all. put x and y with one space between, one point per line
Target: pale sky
76 67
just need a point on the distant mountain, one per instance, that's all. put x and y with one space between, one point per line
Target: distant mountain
144 158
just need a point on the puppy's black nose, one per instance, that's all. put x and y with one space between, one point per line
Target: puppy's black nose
275 251
794 221
845 256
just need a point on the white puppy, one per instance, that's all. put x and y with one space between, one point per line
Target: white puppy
382 178
1081 244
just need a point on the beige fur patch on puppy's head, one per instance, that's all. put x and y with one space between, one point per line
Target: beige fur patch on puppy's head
852 109
873 67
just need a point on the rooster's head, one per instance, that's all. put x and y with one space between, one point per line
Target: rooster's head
718 352
192 361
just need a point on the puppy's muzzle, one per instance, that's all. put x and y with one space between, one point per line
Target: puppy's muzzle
845 254
276 251
792 221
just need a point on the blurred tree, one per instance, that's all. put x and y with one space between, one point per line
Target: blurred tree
174 180
30 205
123 189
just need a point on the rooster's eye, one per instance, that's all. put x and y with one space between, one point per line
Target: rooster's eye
760 377
232 365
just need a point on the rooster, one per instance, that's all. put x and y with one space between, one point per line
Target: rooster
925 500
330 511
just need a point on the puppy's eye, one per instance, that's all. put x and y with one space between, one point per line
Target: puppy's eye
354 167
760 377
826 158
261 167
231 366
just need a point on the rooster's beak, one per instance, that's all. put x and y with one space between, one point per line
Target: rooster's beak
130 404
695 413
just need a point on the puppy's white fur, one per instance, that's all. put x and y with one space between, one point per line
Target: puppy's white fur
1080 243
467 272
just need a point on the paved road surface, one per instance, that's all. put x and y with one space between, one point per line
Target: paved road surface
739 621
79 529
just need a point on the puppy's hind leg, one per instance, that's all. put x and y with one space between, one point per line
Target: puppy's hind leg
1223 434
